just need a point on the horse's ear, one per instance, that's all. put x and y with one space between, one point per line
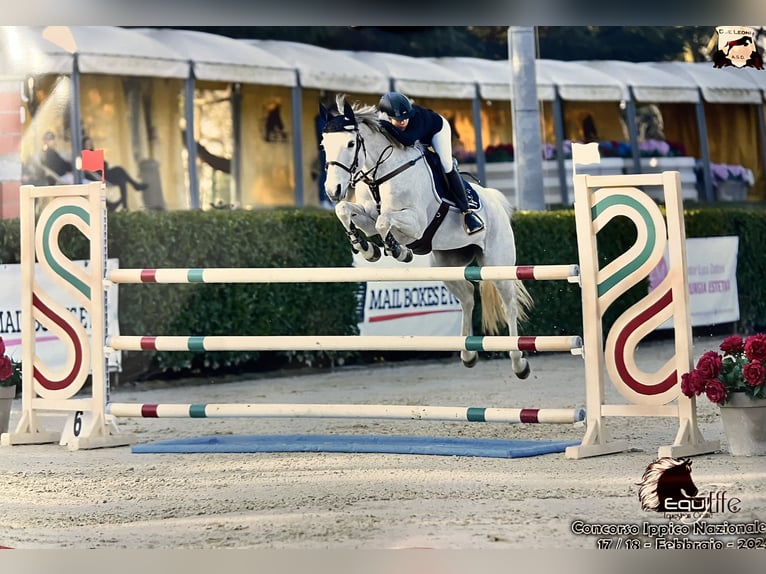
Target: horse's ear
348 111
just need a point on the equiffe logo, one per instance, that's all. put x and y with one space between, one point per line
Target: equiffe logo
667 487
737 47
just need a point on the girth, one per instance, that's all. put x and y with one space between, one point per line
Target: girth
422 246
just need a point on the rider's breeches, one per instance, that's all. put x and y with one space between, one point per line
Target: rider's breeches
442 144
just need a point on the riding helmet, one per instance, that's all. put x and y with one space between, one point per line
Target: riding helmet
397 106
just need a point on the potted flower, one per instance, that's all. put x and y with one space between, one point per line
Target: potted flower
10 379
734 378
730 182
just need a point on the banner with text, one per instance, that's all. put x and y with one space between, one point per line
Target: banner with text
712 273
47 345
424 308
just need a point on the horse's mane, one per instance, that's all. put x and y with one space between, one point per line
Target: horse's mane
647 492
368 115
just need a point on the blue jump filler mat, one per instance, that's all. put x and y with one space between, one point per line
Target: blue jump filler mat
386 444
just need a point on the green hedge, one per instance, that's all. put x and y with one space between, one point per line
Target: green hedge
279 238
314 238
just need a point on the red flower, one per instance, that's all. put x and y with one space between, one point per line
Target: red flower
715 391
739 368
709 365
2 347
732 345
6 368
755 347
692 384
754 373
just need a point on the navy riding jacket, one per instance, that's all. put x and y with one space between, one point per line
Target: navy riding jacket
422 127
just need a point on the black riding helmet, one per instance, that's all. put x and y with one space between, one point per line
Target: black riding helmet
396 105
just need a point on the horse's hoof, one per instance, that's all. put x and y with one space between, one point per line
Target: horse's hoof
472 362
375 253
524 373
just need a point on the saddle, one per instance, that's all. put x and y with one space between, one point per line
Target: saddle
442 187
422 246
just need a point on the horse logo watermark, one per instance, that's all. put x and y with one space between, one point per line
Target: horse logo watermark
737 47
667 487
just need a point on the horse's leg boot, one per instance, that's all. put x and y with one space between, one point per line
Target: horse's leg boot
471 222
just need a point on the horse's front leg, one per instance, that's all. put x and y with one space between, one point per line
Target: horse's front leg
355 217
397 250
397 229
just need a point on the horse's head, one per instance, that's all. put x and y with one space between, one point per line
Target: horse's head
341 144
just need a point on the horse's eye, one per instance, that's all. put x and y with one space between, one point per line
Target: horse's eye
351 144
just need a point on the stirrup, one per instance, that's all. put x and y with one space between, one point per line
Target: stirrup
472 223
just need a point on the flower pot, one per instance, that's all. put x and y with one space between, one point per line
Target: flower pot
731 190
7 394
744 422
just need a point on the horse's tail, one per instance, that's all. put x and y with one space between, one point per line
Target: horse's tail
524 301
493 309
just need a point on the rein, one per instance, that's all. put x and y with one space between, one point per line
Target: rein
374 182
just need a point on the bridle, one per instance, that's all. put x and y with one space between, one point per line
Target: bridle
353 170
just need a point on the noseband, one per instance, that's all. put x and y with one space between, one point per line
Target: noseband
353 169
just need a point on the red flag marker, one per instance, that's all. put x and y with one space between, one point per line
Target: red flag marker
94 161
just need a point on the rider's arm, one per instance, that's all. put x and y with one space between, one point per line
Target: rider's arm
403 137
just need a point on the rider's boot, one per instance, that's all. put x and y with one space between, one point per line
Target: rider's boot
471 222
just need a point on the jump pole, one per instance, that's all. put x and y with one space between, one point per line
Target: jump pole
347 411
346 343
570 273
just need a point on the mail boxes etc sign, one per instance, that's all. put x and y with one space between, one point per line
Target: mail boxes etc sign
424 308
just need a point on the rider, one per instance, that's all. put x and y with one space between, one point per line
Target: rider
411 123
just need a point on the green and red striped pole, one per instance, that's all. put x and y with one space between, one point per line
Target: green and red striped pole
357 411
344 274
572 344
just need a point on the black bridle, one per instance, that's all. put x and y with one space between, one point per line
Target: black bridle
353 170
